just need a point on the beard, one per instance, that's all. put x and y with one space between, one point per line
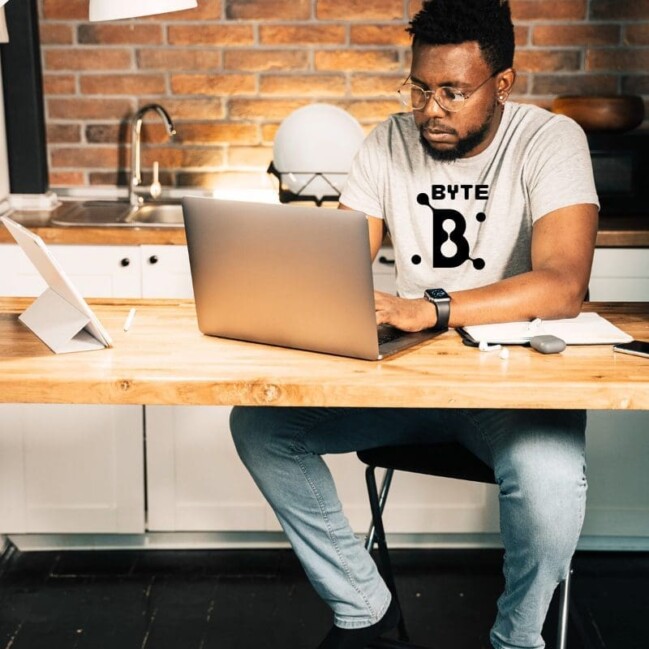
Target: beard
464 145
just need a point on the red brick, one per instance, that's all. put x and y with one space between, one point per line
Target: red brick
77 108
546 60
168 157
619 9
213 84
380 35
120 34
373 111
636 34
414 7
82 58
574 84
359 10
302 34
96 178
266 109
206 10
259 59
586 34
548 9
199 108
291 85
202 158
263 9
210 35
221 133
637 84
618 60
355 60
178 59
66 178
59 84
521 35
65 9
122 84
106 133
268 132
85 157
55 34
230 180
252 156
377 85
63 133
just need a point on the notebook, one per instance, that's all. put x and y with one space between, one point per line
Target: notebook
292 276
586 329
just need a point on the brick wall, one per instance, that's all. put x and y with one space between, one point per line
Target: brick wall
229 71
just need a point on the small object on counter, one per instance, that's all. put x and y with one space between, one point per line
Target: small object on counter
547 344
484 346
504 354
129 319
603 113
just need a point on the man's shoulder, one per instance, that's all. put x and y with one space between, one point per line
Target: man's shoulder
531 119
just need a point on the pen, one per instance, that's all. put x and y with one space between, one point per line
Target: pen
129 319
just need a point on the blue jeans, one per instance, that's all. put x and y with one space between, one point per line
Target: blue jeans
538 460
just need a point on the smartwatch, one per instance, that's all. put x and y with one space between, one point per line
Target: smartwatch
442 301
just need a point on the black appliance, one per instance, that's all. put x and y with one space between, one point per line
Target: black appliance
621 169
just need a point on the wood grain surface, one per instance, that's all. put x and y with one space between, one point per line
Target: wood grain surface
164 359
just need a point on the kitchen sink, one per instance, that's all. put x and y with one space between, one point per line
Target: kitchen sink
110 214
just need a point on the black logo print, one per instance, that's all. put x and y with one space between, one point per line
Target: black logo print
450 247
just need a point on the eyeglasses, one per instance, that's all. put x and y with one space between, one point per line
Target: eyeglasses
447 98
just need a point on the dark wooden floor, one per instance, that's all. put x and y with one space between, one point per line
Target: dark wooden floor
260 600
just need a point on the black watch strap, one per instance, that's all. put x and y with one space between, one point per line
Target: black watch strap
442 301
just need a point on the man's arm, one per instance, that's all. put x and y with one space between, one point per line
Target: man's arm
563 242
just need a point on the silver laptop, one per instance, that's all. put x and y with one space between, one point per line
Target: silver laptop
297 277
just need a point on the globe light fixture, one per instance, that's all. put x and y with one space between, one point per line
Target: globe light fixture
116 9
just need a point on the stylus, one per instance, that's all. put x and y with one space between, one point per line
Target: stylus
129 319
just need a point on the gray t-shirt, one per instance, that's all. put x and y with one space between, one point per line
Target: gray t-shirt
468 223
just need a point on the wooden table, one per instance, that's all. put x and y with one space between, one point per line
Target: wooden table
164 359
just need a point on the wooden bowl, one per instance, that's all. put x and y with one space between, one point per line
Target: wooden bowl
614 113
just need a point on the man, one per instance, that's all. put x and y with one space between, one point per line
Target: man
508 194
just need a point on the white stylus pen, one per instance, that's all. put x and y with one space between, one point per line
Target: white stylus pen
129 319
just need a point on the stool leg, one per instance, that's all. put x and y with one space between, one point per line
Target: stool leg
564 604
383 496
379 534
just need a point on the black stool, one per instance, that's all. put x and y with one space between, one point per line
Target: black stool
449 460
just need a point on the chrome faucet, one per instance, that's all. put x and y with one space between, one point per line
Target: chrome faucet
134 198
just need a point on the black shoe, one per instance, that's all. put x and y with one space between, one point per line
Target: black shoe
339 638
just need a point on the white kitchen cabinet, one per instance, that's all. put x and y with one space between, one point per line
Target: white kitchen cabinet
617 443
97 271
71 469
165 272
67 468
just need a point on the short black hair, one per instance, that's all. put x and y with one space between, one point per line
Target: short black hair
489 22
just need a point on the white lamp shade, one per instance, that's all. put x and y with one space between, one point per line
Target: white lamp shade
116 9
317 139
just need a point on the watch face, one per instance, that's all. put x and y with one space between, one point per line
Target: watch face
437 293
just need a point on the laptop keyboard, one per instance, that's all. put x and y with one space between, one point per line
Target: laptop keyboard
387 333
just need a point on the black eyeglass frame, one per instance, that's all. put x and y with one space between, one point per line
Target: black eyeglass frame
434 94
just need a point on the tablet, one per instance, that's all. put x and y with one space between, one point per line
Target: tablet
60 317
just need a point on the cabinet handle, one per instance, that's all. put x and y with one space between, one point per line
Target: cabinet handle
125 262
385 260
153 259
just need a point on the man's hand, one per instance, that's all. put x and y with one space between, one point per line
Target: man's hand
408 315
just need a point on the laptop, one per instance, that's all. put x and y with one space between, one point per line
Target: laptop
298 277
60 317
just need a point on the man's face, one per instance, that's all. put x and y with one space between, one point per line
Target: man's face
450 135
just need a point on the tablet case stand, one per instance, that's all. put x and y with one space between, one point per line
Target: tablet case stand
59 325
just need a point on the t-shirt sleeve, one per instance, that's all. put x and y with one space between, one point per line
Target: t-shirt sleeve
558 171
365 185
